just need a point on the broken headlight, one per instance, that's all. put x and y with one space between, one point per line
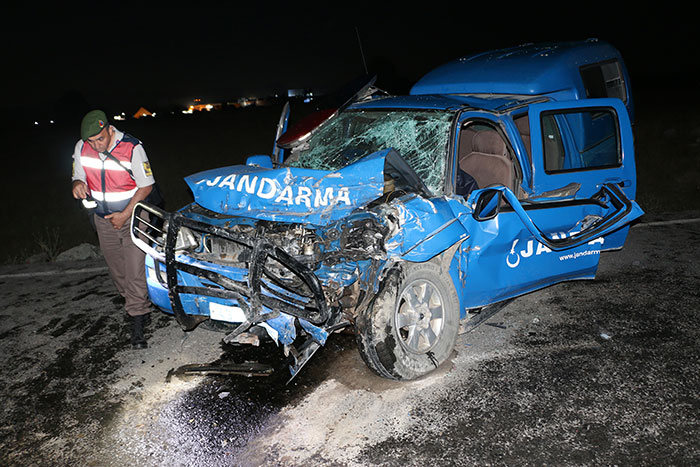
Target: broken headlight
186 239
365 236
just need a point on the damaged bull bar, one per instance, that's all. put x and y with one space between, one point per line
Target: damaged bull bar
255 296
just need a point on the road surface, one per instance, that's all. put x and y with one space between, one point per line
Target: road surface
587 372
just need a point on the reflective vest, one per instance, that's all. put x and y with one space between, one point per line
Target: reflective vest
111 186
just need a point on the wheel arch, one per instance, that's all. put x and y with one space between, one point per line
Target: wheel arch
403 340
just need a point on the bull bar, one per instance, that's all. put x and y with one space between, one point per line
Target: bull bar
261 296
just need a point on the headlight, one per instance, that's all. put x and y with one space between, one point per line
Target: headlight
185 239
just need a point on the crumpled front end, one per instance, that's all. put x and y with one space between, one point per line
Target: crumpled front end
294 282
285 280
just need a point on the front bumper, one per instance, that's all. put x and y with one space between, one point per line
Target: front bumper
261 291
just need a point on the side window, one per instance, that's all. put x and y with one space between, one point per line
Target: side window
553 147
580 140
604 80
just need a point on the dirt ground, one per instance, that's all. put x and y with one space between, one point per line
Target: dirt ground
581 373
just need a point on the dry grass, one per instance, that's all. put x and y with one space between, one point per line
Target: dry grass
48 241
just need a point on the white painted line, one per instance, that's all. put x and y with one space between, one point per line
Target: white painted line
677 221
52 273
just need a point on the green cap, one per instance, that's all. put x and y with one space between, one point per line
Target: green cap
93 122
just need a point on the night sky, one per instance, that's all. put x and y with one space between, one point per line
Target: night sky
123 58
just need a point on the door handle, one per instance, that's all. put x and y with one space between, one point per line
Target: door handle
621 182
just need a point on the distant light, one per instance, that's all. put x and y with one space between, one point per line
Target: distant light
119 117
36 123
51 122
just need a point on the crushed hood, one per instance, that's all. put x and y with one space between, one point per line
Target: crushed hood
291 194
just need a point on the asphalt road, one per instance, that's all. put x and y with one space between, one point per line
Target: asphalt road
581 373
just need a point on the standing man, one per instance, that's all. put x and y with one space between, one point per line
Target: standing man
111 168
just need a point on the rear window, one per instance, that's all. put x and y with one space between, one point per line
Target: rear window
604 79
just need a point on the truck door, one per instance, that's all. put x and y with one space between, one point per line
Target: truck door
516 246
587 143
555 233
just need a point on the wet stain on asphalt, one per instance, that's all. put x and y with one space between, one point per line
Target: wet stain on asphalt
212 422
67 323
83 295
87 280
224 412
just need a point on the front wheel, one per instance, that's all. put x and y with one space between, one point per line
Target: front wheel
411 326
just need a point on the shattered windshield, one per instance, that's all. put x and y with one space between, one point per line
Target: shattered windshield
421 137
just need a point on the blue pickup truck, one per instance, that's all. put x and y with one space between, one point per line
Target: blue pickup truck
408 219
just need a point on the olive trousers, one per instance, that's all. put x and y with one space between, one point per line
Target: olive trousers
126 265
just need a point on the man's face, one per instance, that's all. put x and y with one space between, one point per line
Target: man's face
101 141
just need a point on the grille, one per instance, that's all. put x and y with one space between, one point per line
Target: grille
268 280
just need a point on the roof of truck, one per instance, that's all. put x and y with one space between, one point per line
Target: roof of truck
489 102
530 69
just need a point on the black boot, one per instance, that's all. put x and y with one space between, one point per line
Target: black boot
138 340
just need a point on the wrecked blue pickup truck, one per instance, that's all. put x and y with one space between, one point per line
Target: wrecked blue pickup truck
408 218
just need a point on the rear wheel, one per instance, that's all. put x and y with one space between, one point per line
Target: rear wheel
411 326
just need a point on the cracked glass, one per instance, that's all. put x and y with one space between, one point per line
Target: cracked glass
421 137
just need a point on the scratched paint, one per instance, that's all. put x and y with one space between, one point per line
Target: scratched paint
290 194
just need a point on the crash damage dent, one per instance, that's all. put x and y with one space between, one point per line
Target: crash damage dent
311 274
290 194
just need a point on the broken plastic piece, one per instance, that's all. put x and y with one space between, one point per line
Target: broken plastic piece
249 369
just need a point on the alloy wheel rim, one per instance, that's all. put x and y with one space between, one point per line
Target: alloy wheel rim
420 316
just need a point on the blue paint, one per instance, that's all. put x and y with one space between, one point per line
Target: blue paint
589 180
429 227
318 334
520 250
290 194
284 325
549 69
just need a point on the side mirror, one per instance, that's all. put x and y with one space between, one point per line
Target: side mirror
259 161
487 205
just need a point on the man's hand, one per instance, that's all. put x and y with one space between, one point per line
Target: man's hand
80 189
119 218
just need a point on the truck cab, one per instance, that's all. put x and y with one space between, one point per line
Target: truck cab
557 91
561 71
